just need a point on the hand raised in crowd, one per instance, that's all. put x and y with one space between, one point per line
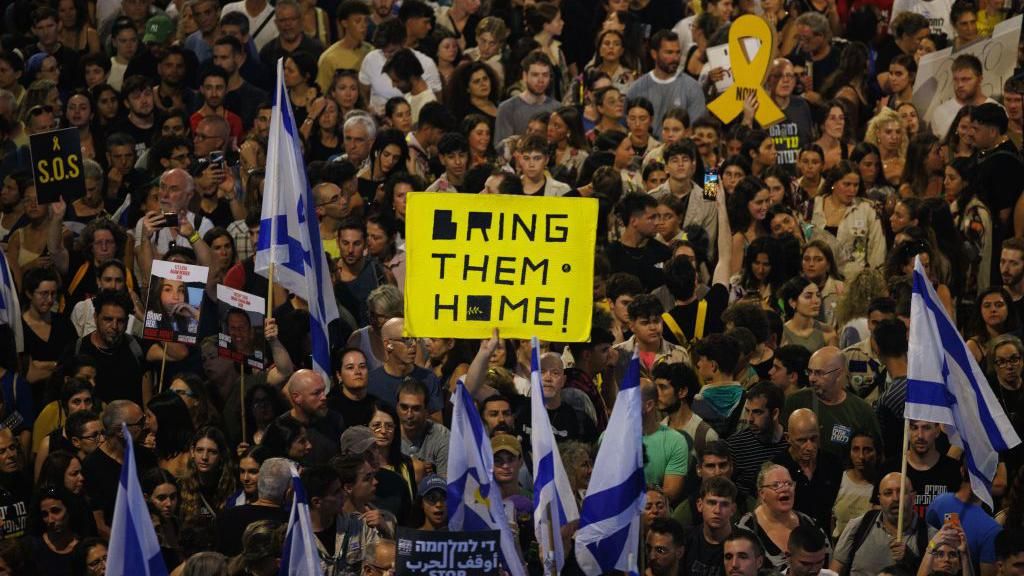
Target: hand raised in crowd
211 176
151 222
58 209
372 518
270 329
898 549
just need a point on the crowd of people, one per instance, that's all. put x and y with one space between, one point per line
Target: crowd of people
760 273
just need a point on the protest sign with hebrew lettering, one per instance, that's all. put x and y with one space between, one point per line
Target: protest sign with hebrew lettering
524 265
173 303
933 84
420 552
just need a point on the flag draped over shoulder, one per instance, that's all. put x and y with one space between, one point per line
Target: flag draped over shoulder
134 549
299 555
554 504
609 533
474 498
290 232
946 385
10 307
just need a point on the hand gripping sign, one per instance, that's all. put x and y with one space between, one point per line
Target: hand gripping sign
748 72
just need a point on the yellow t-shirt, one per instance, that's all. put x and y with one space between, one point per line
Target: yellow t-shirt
338 58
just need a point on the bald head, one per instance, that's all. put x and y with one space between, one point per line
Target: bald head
399 351
889 495
393 328
308 394
802 420
826 371
804 437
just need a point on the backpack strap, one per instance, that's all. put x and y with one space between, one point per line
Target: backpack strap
866 523
702 315
79 276
673 327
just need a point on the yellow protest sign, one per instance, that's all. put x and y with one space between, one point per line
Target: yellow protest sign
524 265
749 71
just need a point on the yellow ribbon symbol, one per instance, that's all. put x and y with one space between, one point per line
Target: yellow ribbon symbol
748 74
56 143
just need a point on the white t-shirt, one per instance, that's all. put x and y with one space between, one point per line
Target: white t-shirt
116 77
269 31
943 115
936 11
381 89
162 238
684 29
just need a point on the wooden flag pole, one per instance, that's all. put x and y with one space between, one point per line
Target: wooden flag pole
549 558
241 384
270 290
163 366
903 480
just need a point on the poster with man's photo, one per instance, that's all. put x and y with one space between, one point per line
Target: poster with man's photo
241 326
173 302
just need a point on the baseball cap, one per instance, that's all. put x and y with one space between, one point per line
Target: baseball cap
158 29
506 442
356 440
432 482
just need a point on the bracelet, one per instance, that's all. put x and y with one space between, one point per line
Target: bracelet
194 237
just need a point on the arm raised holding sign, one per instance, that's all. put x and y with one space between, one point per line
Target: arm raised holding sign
477 372
55 236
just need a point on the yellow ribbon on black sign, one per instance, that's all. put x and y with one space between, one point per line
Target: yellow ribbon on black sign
748 73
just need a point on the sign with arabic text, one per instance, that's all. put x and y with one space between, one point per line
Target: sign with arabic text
425 553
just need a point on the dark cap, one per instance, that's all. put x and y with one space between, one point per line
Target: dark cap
990 114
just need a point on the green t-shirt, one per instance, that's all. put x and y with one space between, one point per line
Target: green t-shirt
838 422
667 454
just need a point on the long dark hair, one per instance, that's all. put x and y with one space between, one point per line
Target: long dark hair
739 214
385 138
976 324
394 454
174 430
915 170
456 92
762 245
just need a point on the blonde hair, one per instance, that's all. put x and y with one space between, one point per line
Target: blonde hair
867 285
875 125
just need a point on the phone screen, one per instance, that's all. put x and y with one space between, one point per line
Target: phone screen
711 184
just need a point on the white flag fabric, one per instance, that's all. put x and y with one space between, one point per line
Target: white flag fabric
474 498
290 232
946 385
299 555
609 533
554 504
10 307
134 549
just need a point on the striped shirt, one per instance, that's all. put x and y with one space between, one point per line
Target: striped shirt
748 454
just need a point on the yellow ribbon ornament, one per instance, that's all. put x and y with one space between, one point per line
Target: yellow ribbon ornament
748 76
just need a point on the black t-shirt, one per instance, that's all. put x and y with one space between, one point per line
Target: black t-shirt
246 101
232 523
143 136
15 492
815 496
103 476
887 51
994 188
566 424
702 558
644 262
323 433
221 215
943 477
820 69
353 412
686 316
118 370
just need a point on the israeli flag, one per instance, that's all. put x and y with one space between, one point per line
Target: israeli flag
945 385
609 532
290 232
134 549
299 555
474 499
554 504
10 307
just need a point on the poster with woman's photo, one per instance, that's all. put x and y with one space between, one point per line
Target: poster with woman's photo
241 326
173 302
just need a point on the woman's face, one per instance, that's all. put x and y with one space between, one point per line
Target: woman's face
480 138
438 347
611 48
108 106
946 559
901 218
104 246
206 454
480 85
814 265
786 82
184 391
54 515
731 176
766 152
383 427
389 157
899 78
623 154
223 252
399 194
96 560
808 303
776 190
346 92
862 453
846 188
448 50
74 482
172 294
759 205
353 371
94 75
963 131
499 356
328 119
777 490
654 179
761 266
672 130
248 475
586 468
365 486
49 70
668 222
934 162
488 45
79 111
926 46
68 14
376 240
33 209
301 447
911 121
1008 362
44 297
952 183
435 508
612 105
639 121
835 122
262 407
165 499
868 166
908 268
890 135
79 402
994 310
401 118
292 77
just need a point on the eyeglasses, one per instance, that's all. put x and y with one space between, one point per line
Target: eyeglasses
778 486
1007 362
40 110
140 422
90 437
330 200
101 561
385 426
820 373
